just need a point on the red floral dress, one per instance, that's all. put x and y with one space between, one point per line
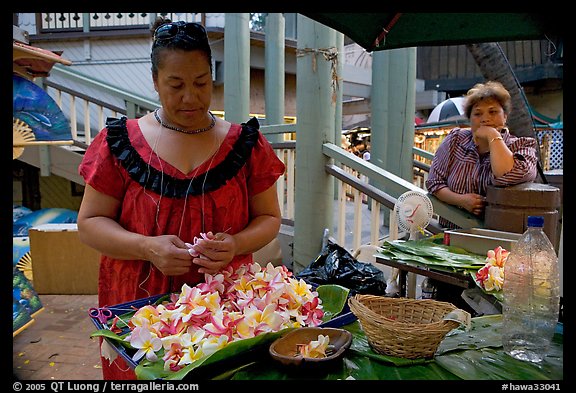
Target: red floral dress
158 199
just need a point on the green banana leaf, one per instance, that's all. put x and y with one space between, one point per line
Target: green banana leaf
437 256
334 298
155 370
463 355
477 354
499 295
359 362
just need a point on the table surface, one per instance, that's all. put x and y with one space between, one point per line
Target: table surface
457 279
455 359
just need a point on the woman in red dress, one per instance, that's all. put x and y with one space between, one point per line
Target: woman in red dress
156 183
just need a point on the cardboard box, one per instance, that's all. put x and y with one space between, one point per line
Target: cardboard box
61 264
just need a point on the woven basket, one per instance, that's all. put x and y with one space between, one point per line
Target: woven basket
402 327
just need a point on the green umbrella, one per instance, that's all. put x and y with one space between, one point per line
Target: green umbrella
378 31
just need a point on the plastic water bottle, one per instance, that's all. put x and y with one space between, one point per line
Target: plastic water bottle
531 295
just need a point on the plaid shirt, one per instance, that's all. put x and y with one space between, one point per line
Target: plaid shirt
458 165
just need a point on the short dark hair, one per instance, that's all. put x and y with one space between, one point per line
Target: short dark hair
176 43
490 89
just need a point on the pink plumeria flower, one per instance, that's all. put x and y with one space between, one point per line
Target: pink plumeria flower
491 275
482 274
192 247
223 323
276 285
312 314
171 327
213 283
497 257
194 304
172 356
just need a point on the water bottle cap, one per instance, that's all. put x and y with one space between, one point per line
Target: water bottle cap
535 221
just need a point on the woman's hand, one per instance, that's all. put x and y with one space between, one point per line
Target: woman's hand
168 253
474 203
216 252
487 133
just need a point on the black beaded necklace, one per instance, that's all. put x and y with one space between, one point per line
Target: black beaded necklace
196 131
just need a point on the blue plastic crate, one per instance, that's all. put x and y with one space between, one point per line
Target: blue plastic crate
344 318
120 309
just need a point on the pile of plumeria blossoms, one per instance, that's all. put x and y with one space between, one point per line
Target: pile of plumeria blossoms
229 306
491 275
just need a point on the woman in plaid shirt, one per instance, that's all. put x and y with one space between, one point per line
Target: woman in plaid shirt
470 159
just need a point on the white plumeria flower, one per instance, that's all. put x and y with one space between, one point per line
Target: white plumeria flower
495 279
146 343
213 343
315 348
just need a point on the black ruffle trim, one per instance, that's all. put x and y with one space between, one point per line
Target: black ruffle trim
152 179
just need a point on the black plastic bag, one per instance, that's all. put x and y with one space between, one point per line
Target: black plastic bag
335 265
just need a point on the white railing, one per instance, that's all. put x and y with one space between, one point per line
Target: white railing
107 20
285 184
87 116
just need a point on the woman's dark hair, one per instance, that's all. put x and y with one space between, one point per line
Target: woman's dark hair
178 41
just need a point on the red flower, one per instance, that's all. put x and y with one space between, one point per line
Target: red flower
482 274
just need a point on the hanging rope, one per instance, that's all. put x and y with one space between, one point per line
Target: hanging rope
329 54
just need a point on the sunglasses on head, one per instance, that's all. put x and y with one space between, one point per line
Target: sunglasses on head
186 30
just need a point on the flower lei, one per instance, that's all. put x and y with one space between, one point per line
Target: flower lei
491 275
229 306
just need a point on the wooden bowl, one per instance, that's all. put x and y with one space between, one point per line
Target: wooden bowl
285 351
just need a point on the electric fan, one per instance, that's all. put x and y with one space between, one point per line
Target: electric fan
412 213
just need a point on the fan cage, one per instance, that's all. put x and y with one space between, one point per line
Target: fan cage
422 202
